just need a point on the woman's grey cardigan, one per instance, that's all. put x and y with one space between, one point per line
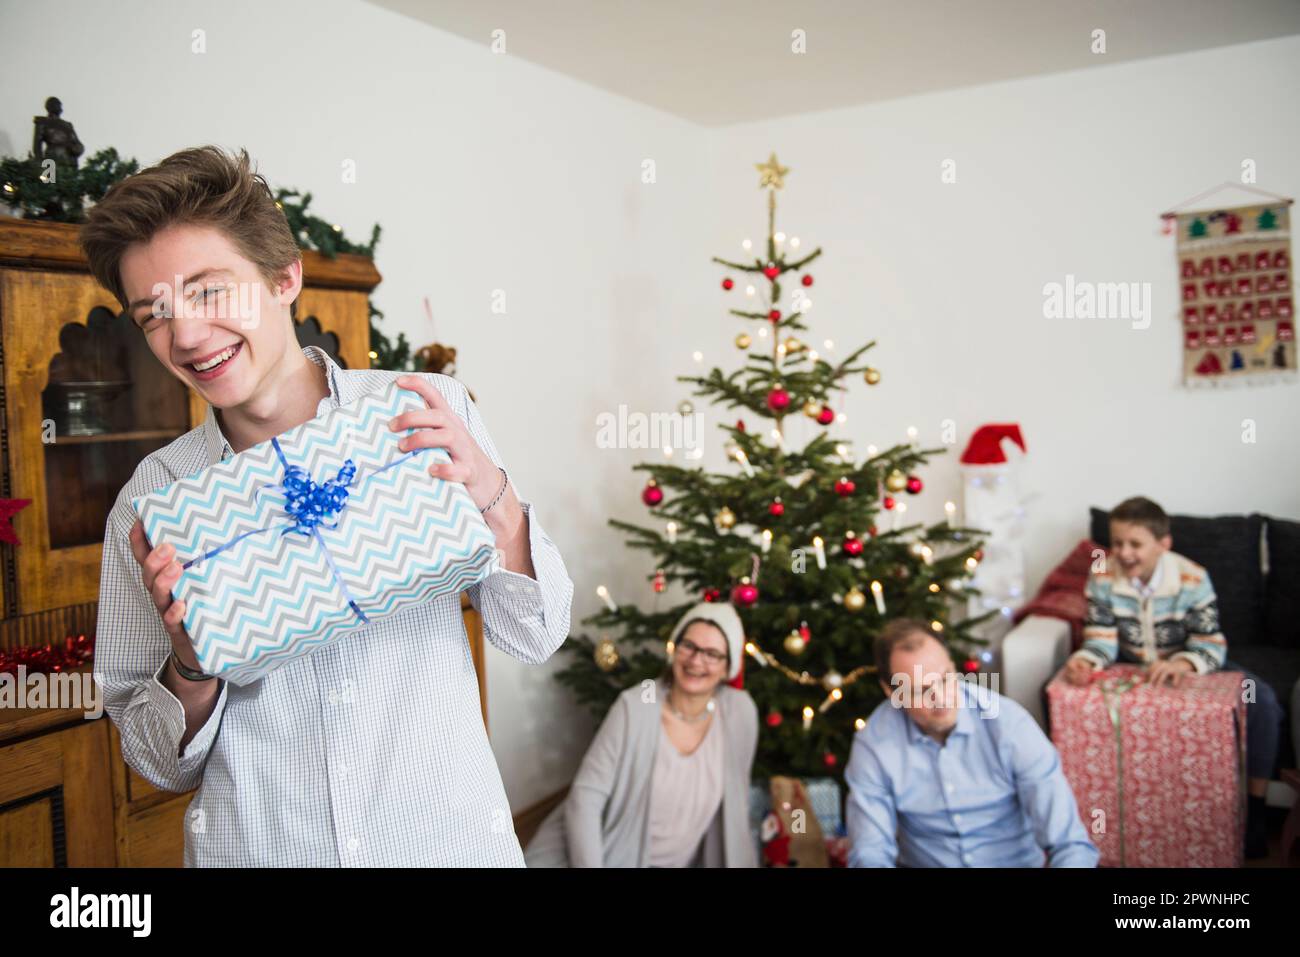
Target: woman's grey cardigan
603 822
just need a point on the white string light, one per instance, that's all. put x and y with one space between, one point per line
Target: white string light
603 592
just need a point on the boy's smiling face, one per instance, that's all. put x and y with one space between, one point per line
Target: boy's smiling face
218 328
1136 549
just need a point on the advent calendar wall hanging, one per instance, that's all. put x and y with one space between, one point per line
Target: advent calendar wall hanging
1237 299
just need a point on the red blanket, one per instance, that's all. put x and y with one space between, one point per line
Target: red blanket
1062 593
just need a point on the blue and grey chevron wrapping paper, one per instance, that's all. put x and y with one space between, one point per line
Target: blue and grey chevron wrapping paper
294 543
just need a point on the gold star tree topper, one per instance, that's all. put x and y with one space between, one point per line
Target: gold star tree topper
771 173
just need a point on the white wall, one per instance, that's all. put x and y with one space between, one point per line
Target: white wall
490 173
486 173
1059 174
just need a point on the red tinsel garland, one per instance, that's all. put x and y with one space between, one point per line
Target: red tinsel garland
49 659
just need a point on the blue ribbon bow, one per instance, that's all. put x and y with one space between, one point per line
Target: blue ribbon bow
310 503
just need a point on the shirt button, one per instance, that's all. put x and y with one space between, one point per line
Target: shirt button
957 818
353 844
949 788
965 859
343 770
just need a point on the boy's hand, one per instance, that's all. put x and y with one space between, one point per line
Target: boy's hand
160 570
1078 670
440 427
1171 671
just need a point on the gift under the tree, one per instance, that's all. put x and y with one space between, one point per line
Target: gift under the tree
296 542
1158 772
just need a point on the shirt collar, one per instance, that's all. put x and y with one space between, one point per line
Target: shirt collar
1157 578
218 448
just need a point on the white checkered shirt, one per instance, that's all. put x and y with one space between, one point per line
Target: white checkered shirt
368 752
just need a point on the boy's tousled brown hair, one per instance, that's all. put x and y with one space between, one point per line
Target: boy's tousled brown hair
203 186
1144 512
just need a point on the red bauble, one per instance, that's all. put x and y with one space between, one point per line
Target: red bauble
778 400
970 666
805 632
740 425
979 554
776 509
853 546
807 279
914 485
887 502
744 595
774 719
872 531
775 315
844 487
652 494
826 416
830 760
712 594
727 284
771 272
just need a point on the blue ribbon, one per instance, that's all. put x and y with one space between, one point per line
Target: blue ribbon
309 503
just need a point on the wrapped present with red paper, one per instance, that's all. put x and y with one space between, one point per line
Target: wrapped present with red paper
1158 772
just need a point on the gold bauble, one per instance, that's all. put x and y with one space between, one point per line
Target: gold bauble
606 655
812 409
792 345
725 518
685 407
743 341
794 643
896 481
855 600
872 376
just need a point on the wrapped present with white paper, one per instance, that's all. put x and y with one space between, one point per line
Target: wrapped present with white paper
298 541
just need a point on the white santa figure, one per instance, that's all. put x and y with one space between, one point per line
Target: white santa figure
991 474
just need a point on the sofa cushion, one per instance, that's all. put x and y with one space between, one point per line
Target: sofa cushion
1228 547
1282 590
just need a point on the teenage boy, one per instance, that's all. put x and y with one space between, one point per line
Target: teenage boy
370 751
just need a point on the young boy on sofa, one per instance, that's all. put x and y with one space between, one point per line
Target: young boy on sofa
1152 606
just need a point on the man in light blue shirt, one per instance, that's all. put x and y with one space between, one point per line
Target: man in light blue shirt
949 774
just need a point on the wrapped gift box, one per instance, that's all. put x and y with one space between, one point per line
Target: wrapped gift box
1158 773
824 799
265 580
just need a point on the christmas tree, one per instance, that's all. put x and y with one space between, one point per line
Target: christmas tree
795 538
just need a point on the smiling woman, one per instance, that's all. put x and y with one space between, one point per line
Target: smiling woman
665 783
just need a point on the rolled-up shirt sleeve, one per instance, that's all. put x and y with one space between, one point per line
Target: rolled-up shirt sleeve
131 651
527 618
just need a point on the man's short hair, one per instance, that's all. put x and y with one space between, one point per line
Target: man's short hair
204 186
905 633
1144 512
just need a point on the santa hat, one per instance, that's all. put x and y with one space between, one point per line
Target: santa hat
985 446
724 616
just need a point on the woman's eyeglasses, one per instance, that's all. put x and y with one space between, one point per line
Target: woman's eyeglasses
709 655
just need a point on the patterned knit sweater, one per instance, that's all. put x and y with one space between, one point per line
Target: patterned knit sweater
1179 619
